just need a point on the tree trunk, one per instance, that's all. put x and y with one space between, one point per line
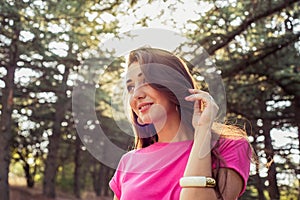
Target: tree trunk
6 120
97 178
28 175
77 170
297 120
26 167
273 187
51 163
259 184
5 137
106 176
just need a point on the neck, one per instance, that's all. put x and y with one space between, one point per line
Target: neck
173 130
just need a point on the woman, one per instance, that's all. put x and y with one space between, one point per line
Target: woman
180 152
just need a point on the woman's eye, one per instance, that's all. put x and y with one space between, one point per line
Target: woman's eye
130 88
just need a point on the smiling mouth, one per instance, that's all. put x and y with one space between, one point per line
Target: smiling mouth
145 107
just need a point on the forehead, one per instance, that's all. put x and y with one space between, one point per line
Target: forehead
134 70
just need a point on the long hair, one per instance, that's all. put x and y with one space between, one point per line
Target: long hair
169 74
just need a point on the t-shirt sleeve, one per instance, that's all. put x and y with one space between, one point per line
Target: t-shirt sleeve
115 186
237 156
115 182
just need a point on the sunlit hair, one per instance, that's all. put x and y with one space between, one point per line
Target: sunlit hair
169 74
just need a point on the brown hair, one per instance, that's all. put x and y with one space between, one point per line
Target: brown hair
169 74
166 73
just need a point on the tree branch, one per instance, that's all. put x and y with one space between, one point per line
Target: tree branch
231 35
246 63
248 22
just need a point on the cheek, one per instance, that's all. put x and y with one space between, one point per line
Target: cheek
166 103
159 111
131 103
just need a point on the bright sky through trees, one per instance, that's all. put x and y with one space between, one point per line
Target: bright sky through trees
158 14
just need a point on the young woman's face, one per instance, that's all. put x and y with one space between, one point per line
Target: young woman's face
149 104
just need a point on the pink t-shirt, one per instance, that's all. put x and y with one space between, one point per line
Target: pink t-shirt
153 173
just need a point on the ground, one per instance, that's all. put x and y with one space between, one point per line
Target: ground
24 193
19 191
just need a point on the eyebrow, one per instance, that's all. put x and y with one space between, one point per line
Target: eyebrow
129 80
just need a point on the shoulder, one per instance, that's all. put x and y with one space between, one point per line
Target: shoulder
234 148
124 159
127 155
231 143
234 153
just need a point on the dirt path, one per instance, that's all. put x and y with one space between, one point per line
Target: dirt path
24 193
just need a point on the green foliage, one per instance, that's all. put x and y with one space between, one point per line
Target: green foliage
254 44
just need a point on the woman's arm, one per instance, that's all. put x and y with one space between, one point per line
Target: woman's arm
199 166
230 184
199 162
115 198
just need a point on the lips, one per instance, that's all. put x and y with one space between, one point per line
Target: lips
144 106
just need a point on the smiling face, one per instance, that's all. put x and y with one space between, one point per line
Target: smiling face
158 105
149 104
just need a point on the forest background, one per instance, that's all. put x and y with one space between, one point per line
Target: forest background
254 45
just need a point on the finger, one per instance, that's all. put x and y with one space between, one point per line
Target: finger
204 95
202 100
199 96
199 104
194 91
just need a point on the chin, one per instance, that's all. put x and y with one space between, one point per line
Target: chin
147 121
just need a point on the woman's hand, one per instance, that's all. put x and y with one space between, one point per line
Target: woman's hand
205 108
199 162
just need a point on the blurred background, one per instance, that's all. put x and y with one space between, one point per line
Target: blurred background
43 45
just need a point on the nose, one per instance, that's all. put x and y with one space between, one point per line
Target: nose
139 93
